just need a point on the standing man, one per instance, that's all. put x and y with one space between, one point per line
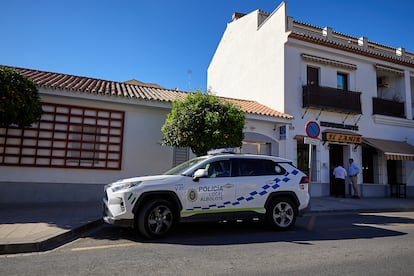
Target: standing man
340 173
354 170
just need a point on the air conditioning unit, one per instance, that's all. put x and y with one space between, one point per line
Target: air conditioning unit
382 82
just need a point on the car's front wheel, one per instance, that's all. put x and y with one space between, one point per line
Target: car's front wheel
281 214
156 219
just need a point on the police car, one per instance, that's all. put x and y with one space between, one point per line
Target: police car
215 187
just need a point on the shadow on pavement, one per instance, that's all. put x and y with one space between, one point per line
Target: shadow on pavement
62 215
308 229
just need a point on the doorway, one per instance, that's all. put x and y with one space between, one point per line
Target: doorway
336 157
394 171
368 155
312 75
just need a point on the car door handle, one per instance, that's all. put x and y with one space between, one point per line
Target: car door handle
228 185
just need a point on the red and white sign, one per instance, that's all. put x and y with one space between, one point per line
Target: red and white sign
312 129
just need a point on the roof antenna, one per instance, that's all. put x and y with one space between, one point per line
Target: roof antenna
189 72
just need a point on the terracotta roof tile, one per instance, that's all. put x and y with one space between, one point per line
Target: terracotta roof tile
353 49
150 92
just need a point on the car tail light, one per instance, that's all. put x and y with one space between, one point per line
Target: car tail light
304 179
304 183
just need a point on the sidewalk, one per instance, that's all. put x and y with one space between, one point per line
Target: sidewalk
41 227
35 228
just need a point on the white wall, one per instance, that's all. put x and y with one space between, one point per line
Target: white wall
265 65
142 152
361 80
252 57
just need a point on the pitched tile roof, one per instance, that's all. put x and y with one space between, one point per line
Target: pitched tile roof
133 90
313 34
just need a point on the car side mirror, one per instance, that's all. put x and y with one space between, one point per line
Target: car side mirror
200 173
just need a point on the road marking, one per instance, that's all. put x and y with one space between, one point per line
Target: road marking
402 224
105 246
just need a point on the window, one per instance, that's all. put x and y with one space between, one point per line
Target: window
181 154
219 168
256 148
66 136
83 144
312 76
342 81
256 167
303 158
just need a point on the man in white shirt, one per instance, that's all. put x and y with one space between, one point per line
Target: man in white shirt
340 174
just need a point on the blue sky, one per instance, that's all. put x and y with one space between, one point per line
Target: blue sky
168 42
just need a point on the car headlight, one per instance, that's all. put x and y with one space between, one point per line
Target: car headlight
125 186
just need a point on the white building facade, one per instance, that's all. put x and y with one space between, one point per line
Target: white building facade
360 93
93 132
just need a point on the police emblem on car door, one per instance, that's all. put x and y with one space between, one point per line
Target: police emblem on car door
213 192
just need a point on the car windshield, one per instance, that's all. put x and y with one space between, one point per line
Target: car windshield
183 168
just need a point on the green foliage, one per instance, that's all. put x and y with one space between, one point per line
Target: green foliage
19 100
203 122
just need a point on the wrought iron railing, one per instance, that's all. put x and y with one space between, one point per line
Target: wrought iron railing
332 99
388 107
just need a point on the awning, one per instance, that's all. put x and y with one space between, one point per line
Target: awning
389 69
393 150
328 61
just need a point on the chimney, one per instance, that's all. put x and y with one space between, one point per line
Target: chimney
327 32
400 52
363 42
237 15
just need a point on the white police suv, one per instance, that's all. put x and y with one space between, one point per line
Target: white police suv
212 187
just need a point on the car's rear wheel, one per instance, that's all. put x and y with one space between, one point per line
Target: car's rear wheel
281 214
156 219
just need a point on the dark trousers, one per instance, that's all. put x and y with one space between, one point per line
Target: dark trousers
339 187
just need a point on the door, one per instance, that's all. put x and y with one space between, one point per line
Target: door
312 74
368 155
336 157
257 178
392 171
212 193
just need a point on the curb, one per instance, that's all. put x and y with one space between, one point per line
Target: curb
50 243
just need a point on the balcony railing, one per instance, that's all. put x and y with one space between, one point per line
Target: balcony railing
332 99
388 107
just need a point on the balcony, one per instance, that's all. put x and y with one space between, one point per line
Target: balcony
332 99
388 107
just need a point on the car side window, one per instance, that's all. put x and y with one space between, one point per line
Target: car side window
249 167
220 168
277 169
257 167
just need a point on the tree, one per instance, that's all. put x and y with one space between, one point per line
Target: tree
19 100
203 122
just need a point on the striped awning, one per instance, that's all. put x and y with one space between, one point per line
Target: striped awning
393 150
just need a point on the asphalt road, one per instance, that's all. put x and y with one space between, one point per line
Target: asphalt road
322 244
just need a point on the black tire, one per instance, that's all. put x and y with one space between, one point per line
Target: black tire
156 219
281 214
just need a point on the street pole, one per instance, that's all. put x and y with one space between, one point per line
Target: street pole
310 171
